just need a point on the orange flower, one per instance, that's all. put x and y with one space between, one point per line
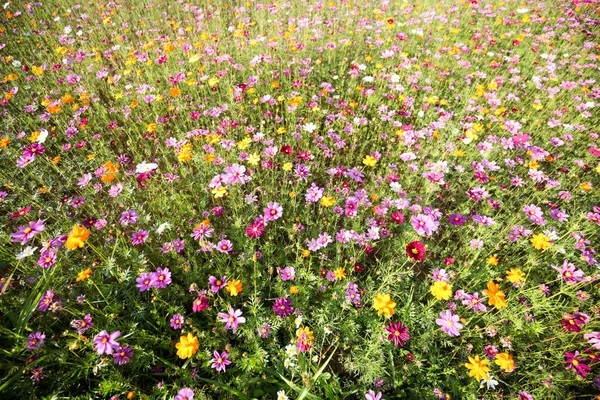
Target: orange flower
77 238
187 346
496 296
234 287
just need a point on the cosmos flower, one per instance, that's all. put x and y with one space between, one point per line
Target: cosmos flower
106 343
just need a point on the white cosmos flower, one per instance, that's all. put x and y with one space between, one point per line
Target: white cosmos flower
145 167
43 136
28 251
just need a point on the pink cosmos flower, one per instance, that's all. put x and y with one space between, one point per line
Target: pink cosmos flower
232 320
449 323
106 343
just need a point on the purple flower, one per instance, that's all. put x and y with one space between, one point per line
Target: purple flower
128 217
216 283
201 231
139 237
25 233
283 307
185 394
233 319
123 355
449 323
82 325
145 281
176 321
37 374
456 219
46 300
35 341
161 278
264 331
105 343
220 361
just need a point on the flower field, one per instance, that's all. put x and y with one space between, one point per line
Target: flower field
300 200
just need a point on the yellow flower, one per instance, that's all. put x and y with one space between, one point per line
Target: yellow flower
77 238
294 290
305 253
384 305
505 362
492 260
213 81
515 276
219 192
369 161
186 153
327 201
254 159
4 142
83 275
495 295
478 368
587 186
309 334
540 241
441 290
234 287
187 346
287 167
340 273
38 71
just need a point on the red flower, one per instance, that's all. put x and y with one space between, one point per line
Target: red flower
416 251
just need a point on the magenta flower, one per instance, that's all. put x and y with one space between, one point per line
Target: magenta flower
139 237
25 233
161 278
577 363
569 272
176 321
123 355
47 259
449 323
256 229
283 307
217 283
200 304
232 320
220 361
456 219
105 343
145 281
398 333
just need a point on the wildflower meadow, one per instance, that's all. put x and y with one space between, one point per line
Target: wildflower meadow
356 199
